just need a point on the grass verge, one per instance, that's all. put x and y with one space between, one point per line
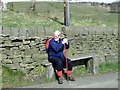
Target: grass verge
11 79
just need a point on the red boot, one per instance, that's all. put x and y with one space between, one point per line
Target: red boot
60 79
69 77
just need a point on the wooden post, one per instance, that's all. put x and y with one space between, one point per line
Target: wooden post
66 13
33 7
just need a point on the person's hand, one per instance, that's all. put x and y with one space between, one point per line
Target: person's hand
65 41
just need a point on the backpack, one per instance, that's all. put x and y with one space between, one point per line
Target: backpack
47 43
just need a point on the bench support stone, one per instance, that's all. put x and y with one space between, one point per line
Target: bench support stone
93 65
49 71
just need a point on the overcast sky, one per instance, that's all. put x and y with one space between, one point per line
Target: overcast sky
105 1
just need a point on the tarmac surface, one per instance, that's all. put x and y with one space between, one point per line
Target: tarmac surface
108 80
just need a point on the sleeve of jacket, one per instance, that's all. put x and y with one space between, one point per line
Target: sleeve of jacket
56 47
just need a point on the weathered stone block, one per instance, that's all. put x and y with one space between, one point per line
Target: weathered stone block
27 59
17 56
39 57
14 48
24 47
22 54
7 61
27 52
31 51
8 52
16 52
32 43
93 65
49 71
10 57
14 66
35 64
7 42
26 42
14 32
1 40
22 32
26 71
1 56
4 56
109 58
29 66
23 65
6 31
17 60
17 43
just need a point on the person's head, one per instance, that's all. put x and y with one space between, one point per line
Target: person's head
57 35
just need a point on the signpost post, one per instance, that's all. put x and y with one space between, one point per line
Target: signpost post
66 13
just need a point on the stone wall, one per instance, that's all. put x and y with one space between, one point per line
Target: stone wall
25 49
102 42
24 53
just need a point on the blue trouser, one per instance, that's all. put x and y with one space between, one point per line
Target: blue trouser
60 63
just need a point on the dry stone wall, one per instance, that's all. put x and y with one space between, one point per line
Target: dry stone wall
25 49
102 42
22 53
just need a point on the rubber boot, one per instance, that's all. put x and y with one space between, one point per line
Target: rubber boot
60 80
69 77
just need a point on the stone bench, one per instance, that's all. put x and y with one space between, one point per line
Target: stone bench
49 71
90 62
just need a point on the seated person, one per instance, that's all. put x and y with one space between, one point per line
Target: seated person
57 57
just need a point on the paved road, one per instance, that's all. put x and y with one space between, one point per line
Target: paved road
109 80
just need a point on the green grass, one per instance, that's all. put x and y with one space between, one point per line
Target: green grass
108 67
79 71
81 15
12 79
